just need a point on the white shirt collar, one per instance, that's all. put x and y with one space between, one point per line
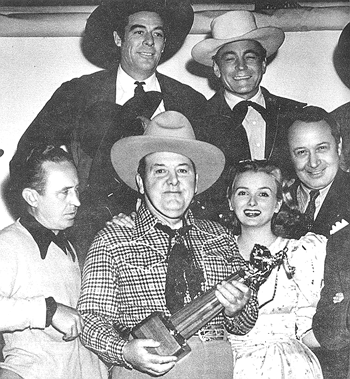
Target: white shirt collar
233 100
126 86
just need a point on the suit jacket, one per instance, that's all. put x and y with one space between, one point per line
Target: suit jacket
218 128
335 209
330 323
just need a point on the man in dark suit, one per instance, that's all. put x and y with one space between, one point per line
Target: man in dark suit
315 148
322 194
256 129
88 114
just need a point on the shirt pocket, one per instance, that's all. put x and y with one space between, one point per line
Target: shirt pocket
219 261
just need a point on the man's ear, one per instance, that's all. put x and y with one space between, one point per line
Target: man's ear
340 146
30 195
196 185
263 65
117 40
140 185
216 70
164 46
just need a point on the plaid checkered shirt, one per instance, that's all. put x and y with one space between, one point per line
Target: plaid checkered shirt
125 273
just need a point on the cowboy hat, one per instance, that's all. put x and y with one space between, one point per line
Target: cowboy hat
169 131
98 42
341 57
236 26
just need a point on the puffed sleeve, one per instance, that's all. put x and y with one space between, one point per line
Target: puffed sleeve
307 255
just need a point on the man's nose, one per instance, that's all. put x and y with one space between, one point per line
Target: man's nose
173 178
241 63
75 199
314 160
149 39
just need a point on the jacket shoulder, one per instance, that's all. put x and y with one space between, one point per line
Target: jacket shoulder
282 101
177 87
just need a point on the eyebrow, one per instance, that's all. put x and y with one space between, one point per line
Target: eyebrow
137 26
260 188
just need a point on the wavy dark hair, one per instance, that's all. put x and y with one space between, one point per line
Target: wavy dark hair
288 221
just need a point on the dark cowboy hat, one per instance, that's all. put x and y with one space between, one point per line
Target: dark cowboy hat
98 42
341 57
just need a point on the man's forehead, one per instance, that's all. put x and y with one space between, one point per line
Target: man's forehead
145 18
241 45
60 174
320 131
167 158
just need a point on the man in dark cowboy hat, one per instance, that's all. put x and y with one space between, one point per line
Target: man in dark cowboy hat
88 114
127 274
243 119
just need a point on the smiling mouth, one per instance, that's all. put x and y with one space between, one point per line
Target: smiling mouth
147 55
316 173
238 78
252 213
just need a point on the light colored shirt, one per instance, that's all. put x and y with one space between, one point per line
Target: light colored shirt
254 124
32 350
126 87
303 197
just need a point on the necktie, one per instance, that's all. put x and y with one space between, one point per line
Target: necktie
240 110
141 104
310 210
183 275
139 91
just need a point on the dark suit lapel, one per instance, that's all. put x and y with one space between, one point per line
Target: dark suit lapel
105 89
334 207
271 123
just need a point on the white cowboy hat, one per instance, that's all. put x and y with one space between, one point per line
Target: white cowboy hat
236 26
169 131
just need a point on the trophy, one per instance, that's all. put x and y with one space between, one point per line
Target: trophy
173 331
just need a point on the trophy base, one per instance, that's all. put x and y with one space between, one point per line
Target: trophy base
159 328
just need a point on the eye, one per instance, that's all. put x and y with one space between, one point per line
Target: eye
138 31
229 58
242 193
323 148
251 57
160 171
159 35
183 171
264 194
301 153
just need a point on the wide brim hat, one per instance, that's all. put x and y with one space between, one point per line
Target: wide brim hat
341 57
169 131
236 26
98 42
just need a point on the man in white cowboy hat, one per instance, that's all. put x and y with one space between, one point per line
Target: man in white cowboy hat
131 273
88 114
243 119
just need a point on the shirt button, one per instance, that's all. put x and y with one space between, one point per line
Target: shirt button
254 122
258 144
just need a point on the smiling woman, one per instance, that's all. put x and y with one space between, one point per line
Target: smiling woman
289 297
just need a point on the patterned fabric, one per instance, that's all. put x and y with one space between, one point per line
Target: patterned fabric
273 348
125 274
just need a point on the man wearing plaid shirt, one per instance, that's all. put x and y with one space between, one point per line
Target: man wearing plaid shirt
131 273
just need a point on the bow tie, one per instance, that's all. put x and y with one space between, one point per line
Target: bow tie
240 110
